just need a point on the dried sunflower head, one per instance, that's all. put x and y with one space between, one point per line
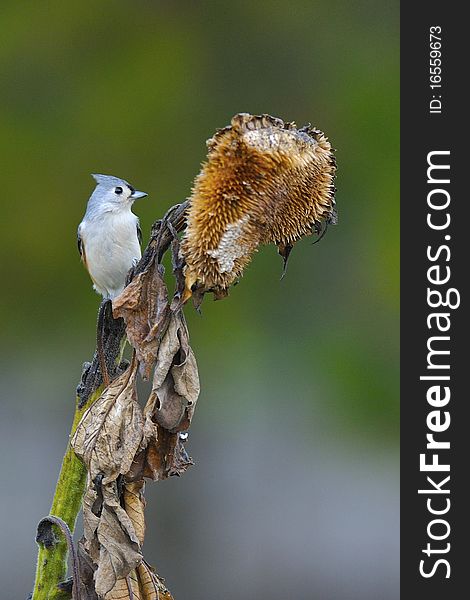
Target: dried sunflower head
264 181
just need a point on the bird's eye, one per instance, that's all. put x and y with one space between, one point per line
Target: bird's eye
118 190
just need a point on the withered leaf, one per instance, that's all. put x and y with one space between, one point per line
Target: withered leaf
125 588
144 307
91 520
87 569
165 456
175 388
141 584
119 545
111 539
110 432
151 584
134 503
107 439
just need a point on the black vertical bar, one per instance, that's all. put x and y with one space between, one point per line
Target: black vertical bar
423 132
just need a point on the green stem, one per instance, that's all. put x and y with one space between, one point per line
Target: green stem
52 560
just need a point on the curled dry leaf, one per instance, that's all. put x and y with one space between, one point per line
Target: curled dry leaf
118 542
175 387
87 571
165 456
110 431
264 181
115 544
144 306
107 439
141 584
151 584
126 588
110 542
134 503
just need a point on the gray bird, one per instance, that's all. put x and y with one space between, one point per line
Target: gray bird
109 235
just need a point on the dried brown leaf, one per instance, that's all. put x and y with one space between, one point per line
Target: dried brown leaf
109 434
107 439
134 503
175 387
87 570
112 539
119 545
125 588
165 456
141 584
144 307
92 509
152 585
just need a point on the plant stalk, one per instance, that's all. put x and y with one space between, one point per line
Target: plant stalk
52 559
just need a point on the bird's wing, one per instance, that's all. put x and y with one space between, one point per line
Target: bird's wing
139 233
81 247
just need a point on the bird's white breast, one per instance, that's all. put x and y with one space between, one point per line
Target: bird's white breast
111 247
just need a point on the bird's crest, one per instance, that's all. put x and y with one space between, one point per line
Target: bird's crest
108 180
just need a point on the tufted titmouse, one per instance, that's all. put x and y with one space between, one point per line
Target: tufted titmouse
109 235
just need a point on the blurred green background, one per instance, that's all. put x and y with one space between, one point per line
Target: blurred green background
295 489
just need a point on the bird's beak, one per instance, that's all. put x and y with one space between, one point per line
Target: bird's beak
136 195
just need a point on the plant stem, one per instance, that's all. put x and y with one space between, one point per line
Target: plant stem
52 560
